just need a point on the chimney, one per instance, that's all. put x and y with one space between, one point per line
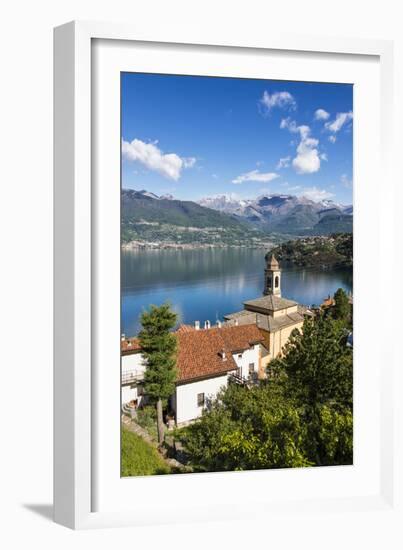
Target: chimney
123 337
223 355
207 324
236 322
219 324
197 325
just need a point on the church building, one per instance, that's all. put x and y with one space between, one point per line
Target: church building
276 316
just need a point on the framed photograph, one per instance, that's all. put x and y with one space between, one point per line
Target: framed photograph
222 249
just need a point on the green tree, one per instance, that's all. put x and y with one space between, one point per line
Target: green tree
316 371
317 363
159 350
342 308
335 435
248 429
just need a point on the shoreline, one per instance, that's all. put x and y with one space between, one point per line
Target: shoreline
137 245
143 246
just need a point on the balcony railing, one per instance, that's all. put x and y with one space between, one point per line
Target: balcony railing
132 377
251 380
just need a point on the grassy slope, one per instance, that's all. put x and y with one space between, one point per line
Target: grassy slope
139 458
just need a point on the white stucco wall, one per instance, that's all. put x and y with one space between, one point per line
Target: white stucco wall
186 397
132 363
246 357
129 393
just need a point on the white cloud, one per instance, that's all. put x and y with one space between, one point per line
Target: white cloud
307 160
188 162
291 125
323 156
255 175
316 194
346 181
169 165
321 114
337 124
332 139
282 100
263 191
283 163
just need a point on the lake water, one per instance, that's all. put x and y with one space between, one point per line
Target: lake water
208 283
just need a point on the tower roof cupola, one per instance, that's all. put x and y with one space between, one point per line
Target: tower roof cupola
271 261
272 276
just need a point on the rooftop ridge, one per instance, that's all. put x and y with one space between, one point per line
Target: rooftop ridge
270 302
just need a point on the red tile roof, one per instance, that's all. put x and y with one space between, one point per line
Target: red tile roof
200 351
130 345
328 302
185 328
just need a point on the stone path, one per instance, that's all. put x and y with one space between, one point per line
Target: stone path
137 429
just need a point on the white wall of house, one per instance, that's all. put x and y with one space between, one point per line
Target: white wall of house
247 357
132 363
184 401
129 393
186 397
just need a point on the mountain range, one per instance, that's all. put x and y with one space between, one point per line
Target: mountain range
227 219
145 207
283 213
148 218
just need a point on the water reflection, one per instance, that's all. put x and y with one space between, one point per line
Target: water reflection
206 284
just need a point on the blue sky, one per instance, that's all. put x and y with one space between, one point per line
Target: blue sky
193 137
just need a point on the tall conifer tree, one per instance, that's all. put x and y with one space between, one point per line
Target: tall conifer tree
159 350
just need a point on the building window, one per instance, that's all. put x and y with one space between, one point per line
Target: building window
239 355
276 281
200 399
251 368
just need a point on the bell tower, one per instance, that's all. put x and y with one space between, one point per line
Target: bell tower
272 276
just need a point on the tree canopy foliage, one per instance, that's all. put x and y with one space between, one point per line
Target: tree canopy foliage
248 429
342 308
317 371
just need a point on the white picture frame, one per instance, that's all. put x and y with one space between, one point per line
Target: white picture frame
80 312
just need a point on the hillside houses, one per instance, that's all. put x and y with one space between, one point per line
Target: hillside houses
207 360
